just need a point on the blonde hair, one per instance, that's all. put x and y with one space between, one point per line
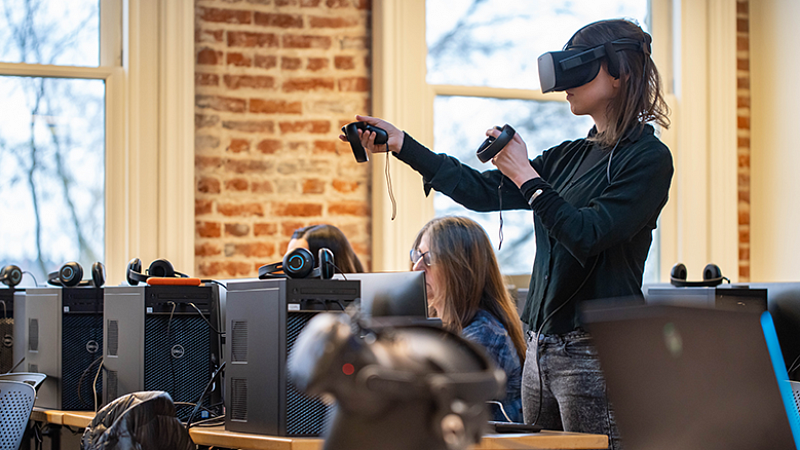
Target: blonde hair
463 257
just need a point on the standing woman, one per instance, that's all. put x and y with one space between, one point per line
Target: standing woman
466 290
595 203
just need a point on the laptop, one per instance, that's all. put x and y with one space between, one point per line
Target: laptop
691 378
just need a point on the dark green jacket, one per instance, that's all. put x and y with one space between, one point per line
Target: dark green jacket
592 237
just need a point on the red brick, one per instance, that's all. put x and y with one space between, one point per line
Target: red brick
297 209
743 101
743 142
333 22
248 81
320 42
743 161
743 123
207 249
285 2
744 273
744 236
202 206
288 63
241 209
354 84
208 185
209 56
238 59
313 186
744 218
743 195
245 165
338 3
206 79
741 7
219 103
344 62
239 145
236 184
324 147
208 229
279 20
349 208
262 187
264 229
742 43
266 61
237 229
250 126
269 146
308 84
744 254
742 25
315 64
207 162
309 3
345 186
254 249
248 39
743 64
204 121
209 35
306 126
224 269
290 226
258 105
235 16
742 83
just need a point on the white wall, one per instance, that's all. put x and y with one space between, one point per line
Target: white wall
775 152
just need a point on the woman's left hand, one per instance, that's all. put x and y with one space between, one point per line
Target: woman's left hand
513 161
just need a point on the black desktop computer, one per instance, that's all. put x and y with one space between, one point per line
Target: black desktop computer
7 347
64 340
264 319
162 338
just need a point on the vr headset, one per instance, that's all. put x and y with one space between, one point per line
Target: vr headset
578 65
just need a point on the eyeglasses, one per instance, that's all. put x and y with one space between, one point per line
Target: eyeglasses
416 256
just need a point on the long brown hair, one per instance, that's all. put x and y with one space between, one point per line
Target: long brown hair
463 256
332 238
640 100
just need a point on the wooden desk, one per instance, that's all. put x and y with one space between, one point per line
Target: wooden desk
218 437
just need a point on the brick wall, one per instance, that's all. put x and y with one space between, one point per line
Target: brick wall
743 134
275 80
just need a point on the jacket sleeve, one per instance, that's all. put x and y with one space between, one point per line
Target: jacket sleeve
475 190
638 191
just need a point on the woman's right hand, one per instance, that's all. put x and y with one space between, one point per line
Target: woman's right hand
395 135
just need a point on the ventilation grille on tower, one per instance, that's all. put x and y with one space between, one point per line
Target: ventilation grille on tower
113 338
239 341
305 416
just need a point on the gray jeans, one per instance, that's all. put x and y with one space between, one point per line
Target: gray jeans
573 395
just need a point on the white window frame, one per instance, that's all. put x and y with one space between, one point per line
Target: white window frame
695 37
149 191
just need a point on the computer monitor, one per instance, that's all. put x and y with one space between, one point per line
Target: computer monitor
391 294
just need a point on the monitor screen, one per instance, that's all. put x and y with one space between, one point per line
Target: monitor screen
385 294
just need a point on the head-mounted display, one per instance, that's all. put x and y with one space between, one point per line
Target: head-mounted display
578 65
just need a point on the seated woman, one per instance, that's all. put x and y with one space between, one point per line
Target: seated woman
315 237
466 290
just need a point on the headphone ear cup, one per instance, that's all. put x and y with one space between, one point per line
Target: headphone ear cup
161 268
712 272
98 274
677 276
134 274
326 264
298 263
70 274
11 275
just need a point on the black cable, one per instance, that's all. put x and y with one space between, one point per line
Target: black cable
539 331
16 365
203 394
215 282
80 379
5 311
169 340
204 318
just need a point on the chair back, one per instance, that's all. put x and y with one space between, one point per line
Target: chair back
16 404
34 379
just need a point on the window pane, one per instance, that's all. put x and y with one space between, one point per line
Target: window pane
498 42
52 173
460 123
50 32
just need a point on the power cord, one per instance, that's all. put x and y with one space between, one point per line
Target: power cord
203 394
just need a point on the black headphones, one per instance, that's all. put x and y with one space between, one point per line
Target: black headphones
712 276
160 268
300 263
11 275
441 377
71 274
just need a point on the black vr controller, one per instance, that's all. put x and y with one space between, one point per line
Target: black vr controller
351 131
492 146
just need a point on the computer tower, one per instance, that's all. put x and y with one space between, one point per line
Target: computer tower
7 357
264 319
727 297
64 335
162 338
